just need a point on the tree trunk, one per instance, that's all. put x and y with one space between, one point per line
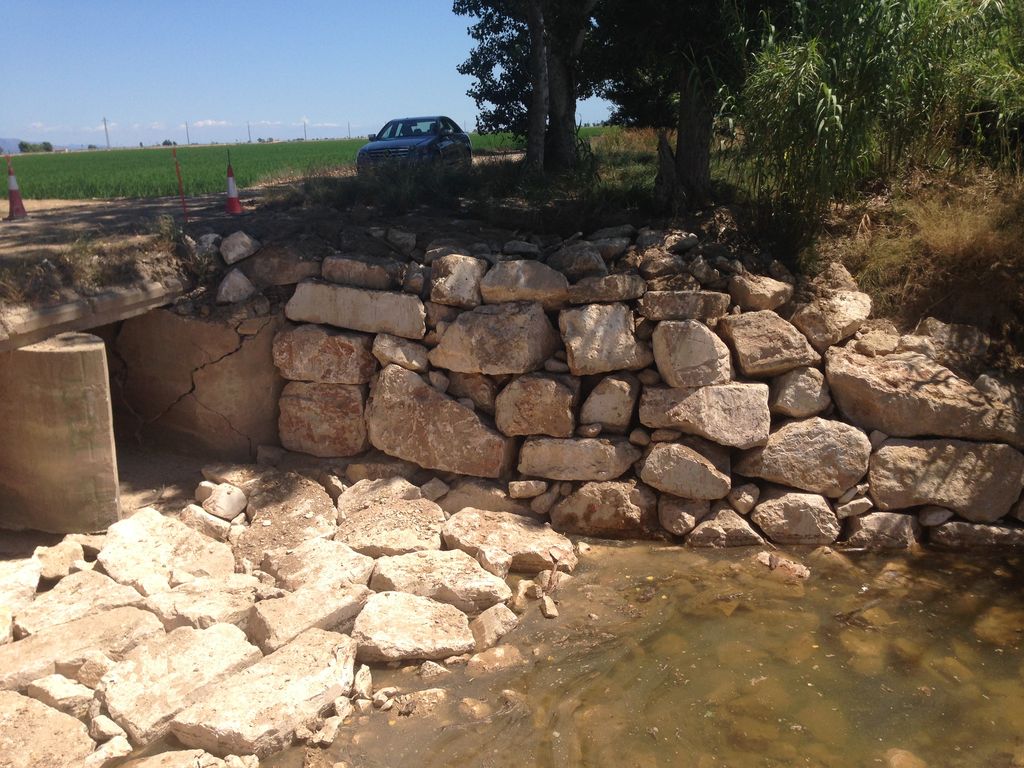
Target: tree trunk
668 196
560 153
693 141
537 110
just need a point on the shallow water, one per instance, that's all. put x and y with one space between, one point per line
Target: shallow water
663 656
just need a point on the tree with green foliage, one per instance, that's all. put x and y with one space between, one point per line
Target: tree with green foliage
526 67
25 146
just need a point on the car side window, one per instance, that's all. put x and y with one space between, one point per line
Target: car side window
450 126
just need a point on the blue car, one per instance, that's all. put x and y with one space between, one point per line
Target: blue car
434 139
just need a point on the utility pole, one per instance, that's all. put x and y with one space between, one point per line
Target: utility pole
304 138
350 129
188 139
249 130
106 132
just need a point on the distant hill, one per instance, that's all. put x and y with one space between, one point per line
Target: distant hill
9 146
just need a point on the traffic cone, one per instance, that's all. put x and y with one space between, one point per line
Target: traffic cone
234 205
14 194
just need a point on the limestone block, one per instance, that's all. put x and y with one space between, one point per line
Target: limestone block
323 419
496 339
325 355
358 309
600 338
765 344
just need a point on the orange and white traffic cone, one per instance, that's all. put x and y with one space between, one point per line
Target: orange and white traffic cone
234 205
17 207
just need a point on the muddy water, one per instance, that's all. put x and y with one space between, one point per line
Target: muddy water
664 656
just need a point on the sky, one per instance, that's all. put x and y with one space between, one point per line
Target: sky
148 66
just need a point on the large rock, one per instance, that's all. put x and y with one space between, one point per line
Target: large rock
765 344
75 596
684 472
600 338
284 510
179 758
163 675
724 528
395 626
958 535
400 314
680 516
317 560
324 355
756 292
949 344
538 404
482 494
258 710
408 418
683 305
789 517
578 260
978 481
620 510
32 735
451 577
829 319
612 403
817 455
607 288
203 602
378 273
533 547
325 605
496 339
390 349
689 354
113 632
576 459
799 393
456 280
144 549
284 263
525 281
728 414
393 526
323 419
883 530
909 395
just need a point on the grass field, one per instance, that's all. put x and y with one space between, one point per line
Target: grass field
150 172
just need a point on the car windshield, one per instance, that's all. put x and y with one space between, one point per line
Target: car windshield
407 129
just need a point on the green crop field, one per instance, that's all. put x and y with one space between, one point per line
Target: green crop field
150 172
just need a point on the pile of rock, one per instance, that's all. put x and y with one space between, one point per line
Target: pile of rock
637 383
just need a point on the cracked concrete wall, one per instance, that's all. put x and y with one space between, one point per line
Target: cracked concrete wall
58 466
198 383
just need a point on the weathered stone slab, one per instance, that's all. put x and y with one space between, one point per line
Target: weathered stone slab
909 395
765 344
612 403
599 338
144 549
789 517
729 414
281 264
63 694
74 596
610 510
978 481
757 292
493 624
683 472
483 494
163 675
395 626
689 354
32 735
201 603
578 260
883 530
323 419
456 280
325 355
576 459
368 492
532 546
606 289
683 305
816 455
358 309
393 526
258 710
680 516
317 560
451 577
113 632
724 528
958 535
180 758
538 404
378 273
516 337
19 580
829 319
409 419
410 355
522 280
799 393
324 605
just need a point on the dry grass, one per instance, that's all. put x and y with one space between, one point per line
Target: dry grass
950 247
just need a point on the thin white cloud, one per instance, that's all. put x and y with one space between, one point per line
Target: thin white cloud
156 126
268 122
326 125
211 123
